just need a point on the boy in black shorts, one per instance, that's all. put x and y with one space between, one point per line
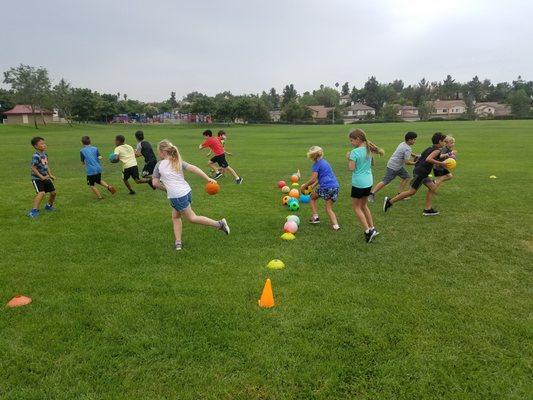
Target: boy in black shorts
41 178
125 153
144 149
428 159
216 147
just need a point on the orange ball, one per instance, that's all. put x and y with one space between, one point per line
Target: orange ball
212 188
294 193
294 178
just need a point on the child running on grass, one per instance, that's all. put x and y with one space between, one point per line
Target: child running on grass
126 154
328 186
221 135
219 156
396 165
447 151
144 149
41 178
90 158
360 162
168 176
428 159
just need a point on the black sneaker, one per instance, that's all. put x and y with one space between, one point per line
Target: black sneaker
132 191
386 204
314 220
217 175
224 227
430 212
178 246
239 180
371 235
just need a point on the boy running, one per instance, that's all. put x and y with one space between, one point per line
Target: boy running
215 145
442 174
125 153
428 159
41 178
144 149
90 158
396 165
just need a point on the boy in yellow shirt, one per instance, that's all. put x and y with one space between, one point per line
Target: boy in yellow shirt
125 153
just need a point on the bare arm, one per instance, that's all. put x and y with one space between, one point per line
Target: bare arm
158 184
197 171
431 158
310 182
351 165
38 174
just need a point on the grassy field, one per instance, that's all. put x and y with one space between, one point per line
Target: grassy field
435 308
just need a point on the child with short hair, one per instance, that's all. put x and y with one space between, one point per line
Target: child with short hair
428 159
144 149
216 147
90 158
328 186
360 162
447 151
168 176
41 177
396 165
125 153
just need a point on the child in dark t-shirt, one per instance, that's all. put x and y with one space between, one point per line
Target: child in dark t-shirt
41 178
144 149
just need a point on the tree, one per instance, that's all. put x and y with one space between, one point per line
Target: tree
389 112
31 86
449 90
425 109
289 94
7 100
397 85
84 104
62 99
474 89
326 96
520 103
203 105
372 95
191 97
107 107
172 101
293 112
421 92
274 99
345 89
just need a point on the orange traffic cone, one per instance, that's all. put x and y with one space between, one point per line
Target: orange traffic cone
267 297
18 301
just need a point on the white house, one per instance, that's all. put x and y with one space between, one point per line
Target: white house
488 109
275 115
448 108
358 112
408 113
345 100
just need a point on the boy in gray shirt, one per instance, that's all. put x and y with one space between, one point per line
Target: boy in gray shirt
396 165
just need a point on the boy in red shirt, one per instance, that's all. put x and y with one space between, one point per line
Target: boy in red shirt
219 156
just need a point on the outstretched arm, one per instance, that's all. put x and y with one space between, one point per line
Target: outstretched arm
197 171
310 182
432 158
156 182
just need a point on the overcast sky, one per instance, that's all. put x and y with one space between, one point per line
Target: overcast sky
149 48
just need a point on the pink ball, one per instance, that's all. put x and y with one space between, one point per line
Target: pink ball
281 184
290 226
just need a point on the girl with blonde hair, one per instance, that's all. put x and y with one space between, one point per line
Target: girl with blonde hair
328 186
168 176
360 162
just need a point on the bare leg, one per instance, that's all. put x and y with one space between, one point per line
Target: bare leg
177 225
37 200
378 187
366 211
96 192
357 207
432 188
232 171
403 182
441 179
403 195
212 165
189 214
52 198
313 204
128 186
331 214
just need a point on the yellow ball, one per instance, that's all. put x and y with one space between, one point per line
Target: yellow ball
285 200
450 163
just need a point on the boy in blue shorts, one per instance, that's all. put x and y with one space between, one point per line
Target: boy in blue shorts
41 177
90 158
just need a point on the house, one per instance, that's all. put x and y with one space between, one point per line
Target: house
275 115
408 113
345 100
448 109
319 112
358 112
21 114
492 109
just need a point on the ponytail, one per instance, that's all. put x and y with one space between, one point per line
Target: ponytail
370 147
172 153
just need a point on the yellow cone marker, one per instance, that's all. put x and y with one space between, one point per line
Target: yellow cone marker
276 264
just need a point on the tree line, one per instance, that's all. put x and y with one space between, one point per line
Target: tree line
32 86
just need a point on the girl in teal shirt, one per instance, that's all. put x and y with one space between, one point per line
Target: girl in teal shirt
360 162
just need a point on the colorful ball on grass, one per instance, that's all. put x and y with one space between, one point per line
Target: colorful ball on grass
294 178
285 200
212 188
112 158
285 189
305 198
307 191
450 163
288 236
291 227
281 184
294 205
294 218
294 193
295 185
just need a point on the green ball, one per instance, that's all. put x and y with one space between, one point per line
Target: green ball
294 205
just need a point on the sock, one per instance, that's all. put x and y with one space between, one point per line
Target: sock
367 231
372 228
48 205
315 216
177 242
336 226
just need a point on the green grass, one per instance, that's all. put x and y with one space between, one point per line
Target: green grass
435 308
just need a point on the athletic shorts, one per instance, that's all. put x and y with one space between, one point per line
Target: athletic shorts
440 172
390 174
43 185
220 160
418 180
181 203
359 193
131 172
92 179
148 168
328 193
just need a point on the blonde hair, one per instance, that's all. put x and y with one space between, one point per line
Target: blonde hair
315 152
171 152
449 139
370 147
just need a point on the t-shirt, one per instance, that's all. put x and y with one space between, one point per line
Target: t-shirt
89 155
214 144
399 157
444 150
326 176
40 161
145 148
362 174
422 167
173 180
126 155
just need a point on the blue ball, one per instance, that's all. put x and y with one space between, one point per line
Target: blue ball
112 158
305 198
